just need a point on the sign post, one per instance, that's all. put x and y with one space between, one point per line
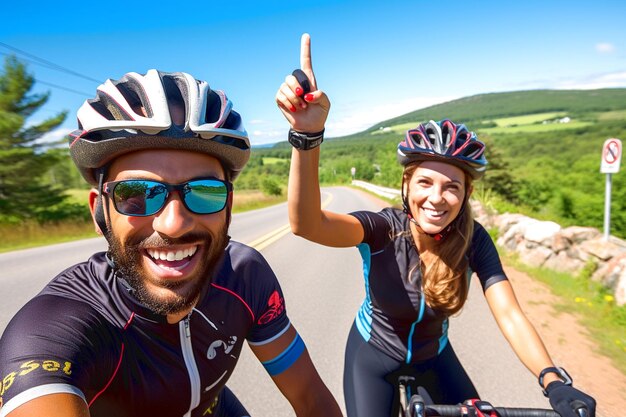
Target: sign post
611 157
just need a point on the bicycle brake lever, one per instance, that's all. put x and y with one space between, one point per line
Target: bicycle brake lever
580 408
416 406
582 412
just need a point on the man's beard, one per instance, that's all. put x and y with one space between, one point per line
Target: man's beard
128 258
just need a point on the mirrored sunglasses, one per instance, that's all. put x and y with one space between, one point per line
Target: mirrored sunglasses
146 197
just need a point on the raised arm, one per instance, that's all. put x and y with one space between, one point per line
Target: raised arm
307 113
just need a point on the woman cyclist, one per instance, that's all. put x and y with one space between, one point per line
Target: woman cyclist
417 261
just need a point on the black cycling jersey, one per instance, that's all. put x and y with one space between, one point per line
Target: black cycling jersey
394 317
86 334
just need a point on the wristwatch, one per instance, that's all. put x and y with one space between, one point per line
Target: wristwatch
304 140
562 373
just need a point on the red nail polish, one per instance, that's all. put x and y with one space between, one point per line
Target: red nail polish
308 97
292 108
299 91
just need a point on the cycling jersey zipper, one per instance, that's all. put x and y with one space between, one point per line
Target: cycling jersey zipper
190 362
420 316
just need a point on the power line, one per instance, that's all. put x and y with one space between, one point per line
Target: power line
49 64
50 84
64 88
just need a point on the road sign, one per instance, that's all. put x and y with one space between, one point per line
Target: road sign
611 156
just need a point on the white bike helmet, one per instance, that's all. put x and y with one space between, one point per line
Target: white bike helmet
133 113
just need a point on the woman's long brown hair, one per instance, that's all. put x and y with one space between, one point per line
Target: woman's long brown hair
445 281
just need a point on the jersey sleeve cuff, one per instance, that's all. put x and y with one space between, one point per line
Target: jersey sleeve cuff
271 339
36 392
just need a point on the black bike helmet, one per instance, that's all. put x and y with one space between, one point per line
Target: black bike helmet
446 142
133 113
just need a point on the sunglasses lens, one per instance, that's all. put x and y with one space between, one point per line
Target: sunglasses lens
206 196
139 197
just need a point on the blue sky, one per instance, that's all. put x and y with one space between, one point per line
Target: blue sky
375 59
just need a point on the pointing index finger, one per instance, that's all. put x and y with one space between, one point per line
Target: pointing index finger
305 59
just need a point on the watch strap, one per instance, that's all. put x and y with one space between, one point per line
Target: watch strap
305 140
562 374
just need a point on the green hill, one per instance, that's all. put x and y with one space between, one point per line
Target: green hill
483 107
544 150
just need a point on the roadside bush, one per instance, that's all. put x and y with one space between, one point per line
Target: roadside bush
270 186
62 212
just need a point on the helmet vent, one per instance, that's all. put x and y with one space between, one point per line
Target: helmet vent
175 89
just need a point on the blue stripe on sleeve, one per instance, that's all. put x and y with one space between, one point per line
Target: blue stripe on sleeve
286 358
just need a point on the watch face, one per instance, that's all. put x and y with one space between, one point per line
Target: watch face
296 142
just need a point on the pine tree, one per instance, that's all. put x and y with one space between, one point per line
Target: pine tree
498 177
23 163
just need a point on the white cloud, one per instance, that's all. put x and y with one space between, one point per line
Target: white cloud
588 82
54 135
608 80
350 120
605 48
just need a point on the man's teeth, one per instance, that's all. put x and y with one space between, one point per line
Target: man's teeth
165 255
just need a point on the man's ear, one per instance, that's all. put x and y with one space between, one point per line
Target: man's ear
94 200
229 207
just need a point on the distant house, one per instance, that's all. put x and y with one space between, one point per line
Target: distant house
565 119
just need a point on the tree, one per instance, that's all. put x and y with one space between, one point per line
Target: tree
498 176
23 194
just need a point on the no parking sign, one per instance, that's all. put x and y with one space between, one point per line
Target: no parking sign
611 156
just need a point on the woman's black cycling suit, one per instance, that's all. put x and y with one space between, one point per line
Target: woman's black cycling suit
86 334
395 329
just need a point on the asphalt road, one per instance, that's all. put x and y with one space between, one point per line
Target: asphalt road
323 289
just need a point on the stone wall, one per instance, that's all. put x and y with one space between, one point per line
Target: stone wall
546 244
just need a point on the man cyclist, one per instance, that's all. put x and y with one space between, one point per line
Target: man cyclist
155 326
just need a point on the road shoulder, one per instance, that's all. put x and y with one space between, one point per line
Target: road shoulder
570 345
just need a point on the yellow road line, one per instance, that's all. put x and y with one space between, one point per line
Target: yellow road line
271 237
266 240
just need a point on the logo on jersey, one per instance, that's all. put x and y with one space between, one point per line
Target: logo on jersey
276 306
212 352
25 368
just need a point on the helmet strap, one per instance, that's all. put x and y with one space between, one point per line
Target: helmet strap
99 211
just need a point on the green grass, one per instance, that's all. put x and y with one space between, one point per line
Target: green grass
401 128
527 119
270 160
32 234
612 115
525 123
246 200
590 302
536 128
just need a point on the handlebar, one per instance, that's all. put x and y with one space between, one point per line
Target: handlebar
461 411
418 408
